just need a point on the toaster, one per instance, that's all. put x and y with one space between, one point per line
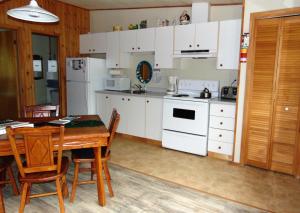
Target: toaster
229 92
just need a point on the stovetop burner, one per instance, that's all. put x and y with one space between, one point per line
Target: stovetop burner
180 95
198 97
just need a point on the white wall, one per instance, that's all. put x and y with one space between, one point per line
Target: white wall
252 6
102 21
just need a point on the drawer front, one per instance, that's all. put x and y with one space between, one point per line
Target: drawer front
221 135
221 123
220 147
223 110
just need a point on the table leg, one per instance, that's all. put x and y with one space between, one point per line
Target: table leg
100 182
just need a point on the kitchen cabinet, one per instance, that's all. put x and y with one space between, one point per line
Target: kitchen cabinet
92 43
202 36
132 112
114 57
140 116
229 45
272 106
164 39
221 128
154 116
103 107
136 116
141 40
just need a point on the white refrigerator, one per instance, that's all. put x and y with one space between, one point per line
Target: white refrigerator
84 77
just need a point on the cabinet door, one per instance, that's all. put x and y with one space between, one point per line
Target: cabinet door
164 38
285 137
85 44
136 116
154 109
98 42
207 36
103 107
145 40
229 44
184 37
120 104
260 78
113 50
128 41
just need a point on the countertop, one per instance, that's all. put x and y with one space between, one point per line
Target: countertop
222 101
147 94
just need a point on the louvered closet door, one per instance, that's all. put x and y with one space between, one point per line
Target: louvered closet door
286 115
260 90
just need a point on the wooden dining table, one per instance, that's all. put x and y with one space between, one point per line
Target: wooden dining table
74 138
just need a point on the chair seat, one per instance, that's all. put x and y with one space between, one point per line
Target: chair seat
42 177
86 154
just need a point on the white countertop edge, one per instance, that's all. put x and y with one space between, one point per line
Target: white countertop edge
147 94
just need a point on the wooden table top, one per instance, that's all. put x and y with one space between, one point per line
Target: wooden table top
75 138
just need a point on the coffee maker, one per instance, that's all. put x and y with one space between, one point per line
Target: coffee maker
173 85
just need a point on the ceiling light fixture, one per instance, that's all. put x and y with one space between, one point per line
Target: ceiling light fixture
33 12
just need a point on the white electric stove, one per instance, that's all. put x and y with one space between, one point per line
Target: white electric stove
185 117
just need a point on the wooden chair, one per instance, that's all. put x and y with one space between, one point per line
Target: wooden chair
36 111
87 156
5 168
41 166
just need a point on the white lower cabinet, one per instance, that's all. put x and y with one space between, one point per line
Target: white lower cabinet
140 116
221 128
154 113
103 107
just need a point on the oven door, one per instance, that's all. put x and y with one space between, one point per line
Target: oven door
186 116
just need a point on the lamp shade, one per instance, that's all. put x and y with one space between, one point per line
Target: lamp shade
34 13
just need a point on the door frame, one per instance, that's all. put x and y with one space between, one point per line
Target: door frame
253 17
59 62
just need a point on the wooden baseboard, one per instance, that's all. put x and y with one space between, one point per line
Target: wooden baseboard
140 139
220 156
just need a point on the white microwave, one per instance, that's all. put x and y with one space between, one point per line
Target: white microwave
117 84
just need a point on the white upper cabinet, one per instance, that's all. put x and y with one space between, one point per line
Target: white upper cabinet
145 40
114 57
184 37
141 40
229 44
206 37
92 43
196 37
164 48
128 41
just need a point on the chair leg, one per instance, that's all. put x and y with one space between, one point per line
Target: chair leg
75 180
107 175
12 181
60 196
23 197
92 170
65 187
2 207
28 193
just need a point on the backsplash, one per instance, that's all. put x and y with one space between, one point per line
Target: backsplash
198 69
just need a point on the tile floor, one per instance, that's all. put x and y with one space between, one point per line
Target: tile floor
248 185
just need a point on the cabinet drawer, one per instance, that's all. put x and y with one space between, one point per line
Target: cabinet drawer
221 123
221 135
223 110
220 147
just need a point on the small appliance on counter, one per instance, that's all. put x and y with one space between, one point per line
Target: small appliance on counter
229 92
117 84
205 94
173 85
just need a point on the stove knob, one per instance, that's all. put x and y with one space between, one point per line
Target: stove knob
220 135
221 123
222 110
219 147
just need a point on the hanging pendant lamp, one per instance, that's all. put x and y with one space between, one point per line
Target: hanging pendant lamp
34 13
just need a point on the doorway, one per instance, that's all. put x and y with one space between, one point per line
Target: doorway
9 107
45 68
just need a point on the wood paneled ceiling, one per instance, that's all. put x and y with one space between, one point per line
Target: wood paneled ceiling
121 4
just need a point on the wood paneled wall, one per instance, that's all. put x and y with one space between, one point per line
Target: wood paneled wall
73 21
